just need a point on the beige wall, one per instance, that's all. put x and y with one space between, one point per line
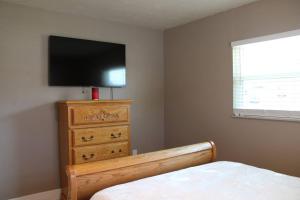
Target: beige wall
28 123
198 82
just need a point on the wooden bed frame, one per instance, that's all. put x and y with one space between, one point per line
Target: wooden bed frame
86 179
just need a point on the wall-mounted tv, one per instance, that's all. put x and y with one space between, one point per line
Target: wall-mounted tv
78 62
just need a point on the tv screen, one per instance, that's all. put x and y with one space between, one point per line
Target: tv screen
78 62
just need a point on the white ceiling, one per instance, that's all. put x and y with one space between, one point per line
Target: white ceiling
156 14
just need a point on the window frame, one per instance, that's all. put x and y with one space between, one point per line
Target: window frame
281 115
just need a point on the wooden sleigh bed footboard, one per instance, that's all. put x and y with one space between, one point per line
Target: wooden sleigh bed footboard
86 179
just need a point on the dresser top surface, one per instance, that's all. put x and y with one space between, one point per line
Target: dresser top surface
94 101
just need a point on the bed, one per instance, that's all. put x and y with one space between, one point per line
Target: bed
187 172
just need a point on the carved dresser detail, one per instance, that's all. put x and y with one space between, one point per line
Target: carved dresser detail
92 131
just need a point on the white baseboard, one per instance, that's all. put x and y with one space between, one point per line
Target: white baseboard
48 195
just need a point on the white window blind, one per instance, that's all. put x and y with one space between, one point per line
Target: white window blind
266 77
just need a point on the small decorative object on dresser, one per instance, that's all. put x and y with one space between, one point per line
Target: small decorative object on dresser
92 131
95 93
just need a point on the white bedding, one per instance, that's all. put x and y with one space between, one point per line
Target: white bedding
214 181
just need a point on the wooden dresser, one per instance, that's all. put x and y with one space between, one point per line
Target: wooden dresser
92 131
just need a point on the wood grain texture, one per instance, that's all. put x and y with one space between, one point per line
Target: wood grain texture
65 146
95 102
89 178
72 186
92 131
91 136
214 151
100 114
100 152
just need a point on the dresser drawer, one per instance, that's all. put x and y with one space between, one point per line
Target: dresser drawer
90 136
99 152
99 114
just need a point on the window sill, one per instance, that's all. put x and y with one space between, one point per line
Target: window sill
272 118
273 115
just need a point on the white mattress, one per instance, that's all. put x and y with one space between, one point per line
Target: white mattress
214 181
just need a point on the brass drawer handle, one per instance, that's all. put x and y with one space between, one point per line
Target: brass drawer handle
115 135
87 158
84 139
113 151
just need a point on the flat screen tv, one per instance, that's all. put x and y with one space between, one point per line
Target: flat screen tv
78 62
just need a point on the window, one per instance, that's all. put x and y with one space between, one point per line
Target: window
266 77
